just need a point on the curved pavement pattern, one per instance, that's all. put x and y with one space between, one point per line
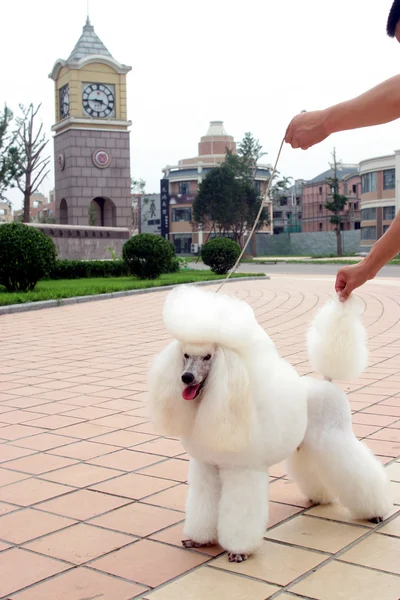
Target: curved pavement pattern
92 499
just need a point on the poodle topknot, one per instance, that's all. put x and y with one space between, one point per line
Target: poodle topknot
193 316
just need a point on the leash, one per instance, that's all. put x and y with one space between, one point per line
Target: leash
232 271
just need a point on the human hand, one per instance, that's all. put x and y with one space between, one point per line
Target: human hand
307 129
349 278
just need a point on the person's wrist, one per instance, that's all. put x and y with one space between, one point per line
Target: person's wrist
369 268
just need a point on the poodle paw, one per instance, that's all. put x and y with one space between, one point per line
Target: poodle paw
376 520
192 544
237 558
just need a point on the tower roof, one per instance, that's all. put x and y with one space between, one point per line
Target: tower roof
89 43
215 129
88 49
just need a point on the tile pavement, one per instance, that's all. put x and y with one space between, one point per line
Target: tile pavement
92 498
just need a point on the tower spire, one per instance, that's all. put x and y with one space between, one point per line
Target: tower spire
87 13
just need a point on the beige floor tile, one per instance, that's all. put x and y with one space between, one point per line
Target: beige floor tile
211 584
133 485
44 441
316 533
80 475
395 491
287 492
378 552
392 528
174 498
30 491
5 508
79 543
80 584
174 469
19 568
123 439
149 563
126 460
138 519
8 452
39 463
393 471
275 563
336 512
24 525
83 504
340 580
83 450
7 477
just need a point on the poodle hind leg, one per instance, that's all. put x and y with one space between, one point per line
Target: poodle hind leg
202 505
243 511
355 476
303 471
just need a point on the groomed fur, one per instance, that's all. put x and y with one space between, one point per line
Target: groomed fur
336 341
193 316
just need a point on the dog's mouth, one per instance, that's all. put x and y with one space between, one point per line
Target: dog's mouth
191 392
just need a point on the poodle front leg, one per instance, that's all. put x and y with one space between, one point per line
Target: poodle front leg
202 505
243 511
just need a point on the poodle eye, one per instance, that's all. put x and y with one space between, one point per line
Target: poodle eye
186 355
207 357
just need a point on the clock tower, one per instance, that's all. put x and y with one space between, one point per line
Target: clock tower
91 142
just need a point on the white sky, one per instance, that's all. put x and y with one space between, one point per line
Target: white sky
252 64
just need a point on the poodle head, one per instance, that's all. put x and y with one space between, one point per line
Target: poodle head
198 362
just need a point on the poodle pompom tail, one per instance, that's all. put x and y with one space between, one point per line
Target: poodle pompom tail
337 341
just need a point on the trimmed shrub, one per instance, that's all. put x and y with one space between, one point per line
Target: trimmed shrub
82 269
26 256
147 256
220 254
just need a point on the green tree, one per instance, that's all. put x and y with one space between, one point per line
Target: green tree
32 167
228 199
336 201
8 153
92 215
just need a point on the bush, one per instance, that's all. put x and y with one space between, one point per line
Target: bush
147 256
220 254
26 256
83 269
175 266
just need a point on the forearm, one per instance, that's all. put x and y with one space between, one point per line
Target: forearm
379 105
384 249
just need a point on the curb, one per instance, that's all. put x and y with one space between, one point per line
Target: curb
29 306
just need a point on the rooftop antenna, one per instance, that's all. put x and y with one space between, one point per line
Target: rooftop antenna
87 13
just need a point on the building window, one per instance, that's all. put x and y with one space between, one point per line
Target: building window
368 182
181 214
184 187
389 176
368 214
389 213
320 190
278 214
385 228
154 222
320 207
182 243
283 202
354 188
357 225
368 233
320 226
257 185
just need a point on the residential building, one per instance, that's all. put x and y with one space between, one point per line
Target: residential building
317 192
180 184
378 197
6 215
42 209
287 213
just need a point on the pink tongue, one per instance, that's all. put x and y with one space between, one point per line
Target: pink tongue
189 393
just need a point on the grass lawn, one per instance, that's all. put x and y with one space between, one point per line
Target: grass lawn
68 288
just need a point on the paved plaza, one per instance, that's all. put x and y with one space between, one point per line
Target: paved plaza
92 499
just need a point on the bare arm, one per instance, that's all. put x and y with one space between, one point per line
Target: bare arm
379 105
386 248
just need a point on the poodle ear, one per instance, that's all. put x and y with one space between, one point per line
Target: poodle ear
170 413
225 415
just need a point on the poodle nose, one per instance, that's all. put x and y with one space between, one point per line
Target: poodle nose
188 378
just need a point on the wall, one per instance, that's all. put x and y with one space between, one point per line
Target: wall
307 244
85 243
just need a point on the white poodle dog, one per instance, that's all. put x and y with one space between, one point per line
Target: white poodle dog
238 408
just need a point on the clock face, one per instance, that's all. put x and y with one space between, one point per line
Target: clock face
98 100
64 101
